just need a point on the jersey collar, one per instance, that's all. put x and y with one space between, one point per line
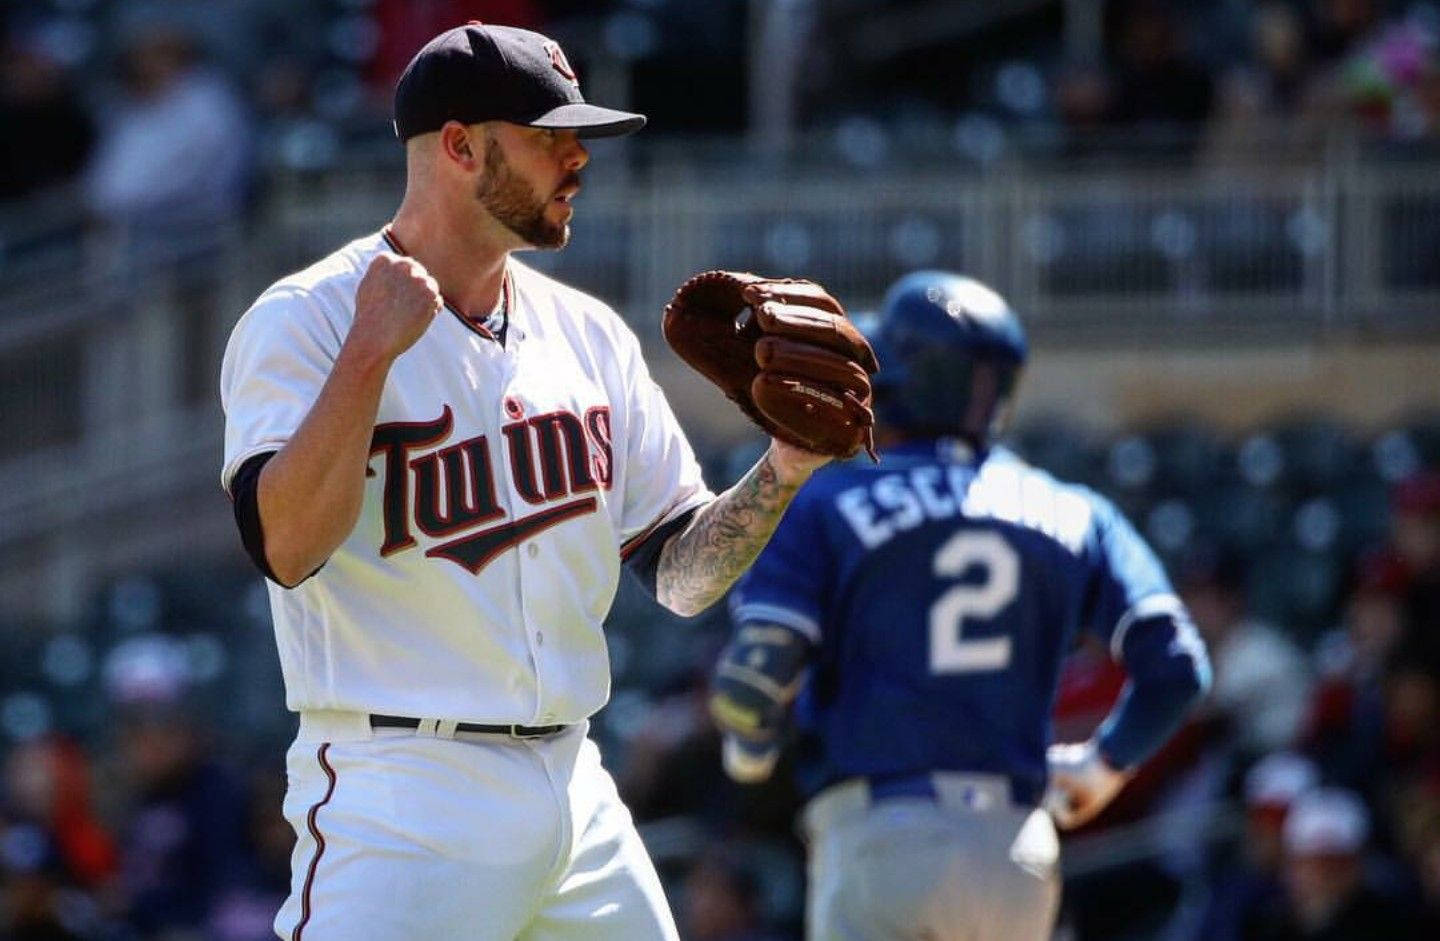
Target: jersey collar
507 295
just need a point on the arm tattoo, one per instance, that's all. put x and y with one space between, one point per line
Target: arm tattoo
698 564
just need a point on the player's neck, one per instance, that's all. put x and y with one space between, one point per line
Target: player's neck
469 267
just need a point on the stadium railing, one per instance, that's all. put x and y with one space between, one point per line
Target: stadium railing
109 350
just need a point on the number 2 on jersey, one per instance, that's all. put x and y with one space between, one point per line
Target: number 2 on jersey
999 565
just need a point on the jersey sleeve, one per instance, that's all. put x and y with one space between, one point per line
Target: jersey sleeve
789 581
278 358
1129 583
663 480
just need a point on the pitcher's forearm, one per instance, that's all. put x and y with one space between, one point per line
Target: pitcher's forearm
698 564
310 492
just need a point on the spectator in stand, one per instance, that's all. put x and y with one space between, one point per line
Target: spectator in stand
1262 683
47 784
184 851
1409 775
246 911
1266 106
1338 26
671 771
1158 87
171 167
406 25
52 849
1084 100
1346 723
1427 864
1415 505
48 135
35 905
721 901
1328 898
1384 82
1381 76
669 762
670 765
1281 56
1375 721
1249 891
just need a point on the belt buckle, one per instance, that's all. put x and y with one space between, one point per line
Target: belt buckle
516 732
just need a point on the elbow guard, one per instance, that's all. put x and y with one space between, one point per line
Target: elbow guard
758 677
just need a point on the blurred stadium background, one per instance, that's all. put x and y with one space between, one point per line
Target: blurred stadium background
1220 220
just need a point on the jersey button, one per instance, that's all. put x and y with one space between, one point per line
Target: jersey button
539 638
534 550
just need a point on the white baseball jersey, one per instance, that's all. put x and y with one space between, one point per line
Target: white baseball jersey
504 485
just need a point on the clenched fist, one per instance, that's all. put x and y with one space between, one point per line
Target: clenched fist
394 305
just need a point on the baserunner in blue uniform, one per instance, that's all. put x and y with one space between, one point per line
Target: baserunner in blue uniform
910 619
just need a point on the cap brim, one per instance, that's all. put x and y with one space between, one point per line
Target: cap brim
589 120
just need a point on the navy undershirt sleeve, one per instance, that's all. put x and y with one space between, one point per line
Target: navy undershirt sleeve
245 500
644 560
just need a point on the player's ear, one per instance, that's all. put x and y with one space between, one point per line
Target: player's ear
462 145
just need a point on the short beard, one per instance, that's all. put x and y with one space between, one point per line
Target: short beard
512 202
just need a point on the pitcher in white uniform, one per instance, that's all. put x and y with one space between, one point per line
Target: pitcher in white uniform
440 458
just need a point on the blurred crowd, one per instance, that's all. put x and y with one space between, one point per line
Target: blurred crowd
143 779
151 131
1304 800
162 109
142 772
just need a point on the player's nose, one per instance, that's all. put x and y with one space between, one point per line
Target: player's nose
574 155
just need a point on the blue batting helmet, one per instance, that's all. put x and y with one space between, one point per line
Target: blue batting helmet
950 352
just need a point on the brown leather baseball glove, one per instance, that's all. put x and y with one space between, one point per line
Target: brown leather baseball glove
784 351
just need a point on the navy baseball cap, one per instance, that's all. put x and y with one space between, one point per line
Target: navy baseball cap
479 72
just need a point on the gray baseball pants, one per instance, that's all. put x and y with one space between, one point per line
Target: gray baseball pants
971 865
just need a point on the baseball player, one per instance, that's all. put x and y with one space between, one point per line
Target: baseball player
915 614
440 457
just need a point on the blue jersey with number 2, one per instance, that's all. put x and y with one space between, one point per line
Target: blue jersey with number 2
942 595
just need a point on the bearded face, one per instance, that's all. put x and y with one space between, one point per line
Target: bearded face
512 201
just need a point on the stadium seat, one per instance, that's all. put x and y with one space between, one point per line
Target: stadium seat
1249 518
1319 454
1192 458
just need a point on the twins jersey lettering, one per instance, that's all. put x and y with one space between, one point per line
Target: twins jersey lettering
505 483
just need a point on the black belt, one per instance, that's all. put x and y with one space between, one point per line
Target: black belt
515 731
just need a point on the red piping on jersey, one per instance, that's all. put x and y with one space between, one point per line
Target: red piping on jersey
475 325
319 841
636 541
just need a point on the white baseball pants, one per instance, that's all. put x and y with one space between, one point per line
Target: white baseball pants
970 866
475 838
